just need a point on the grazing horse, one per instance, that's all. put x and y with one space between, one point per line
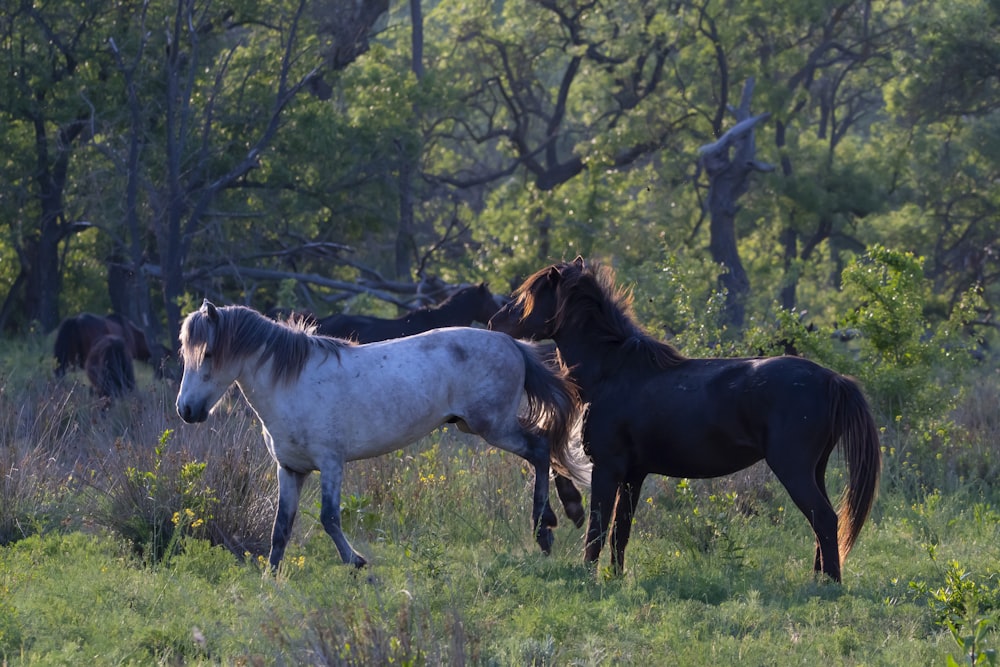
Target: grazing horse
324 401
467 305
109 367
652 410
77 335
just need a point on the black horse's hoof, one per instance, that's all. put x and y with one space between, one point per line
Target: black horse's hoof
545 540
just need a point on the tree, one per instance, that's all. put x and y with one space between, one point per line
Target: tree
52 55
729 162
217 88
552 87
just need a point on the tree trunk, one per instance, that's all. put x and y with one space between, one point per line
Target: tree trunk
729 178
405 241
40 255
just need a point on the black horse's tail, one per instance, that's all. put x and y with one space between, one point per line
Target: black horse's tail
67 346
859 440
554 409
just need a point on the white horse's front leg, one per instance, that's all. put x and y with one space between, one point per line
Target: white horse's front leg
330 478
289 487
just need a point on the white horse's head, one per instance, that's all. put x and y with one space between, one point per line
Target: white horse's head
206 375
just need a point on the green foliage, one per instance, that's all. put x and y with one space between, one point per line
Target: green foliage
703 526
169 501
889 287
959 606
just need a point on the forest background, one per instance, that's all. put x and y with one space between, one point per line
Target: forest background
277 153
765 176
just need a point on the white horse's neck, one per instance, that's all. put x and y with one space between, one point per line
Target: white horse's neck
254 382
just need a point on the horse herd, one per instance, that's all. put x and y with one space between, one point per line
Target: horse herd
341 389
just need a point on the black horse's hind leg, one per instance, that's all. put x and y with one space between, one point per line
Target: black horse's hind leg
811 499
821 484
571 499
330 478
289 487
621 528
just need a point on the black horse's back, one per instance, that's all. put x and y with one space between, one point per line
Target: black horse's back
467 305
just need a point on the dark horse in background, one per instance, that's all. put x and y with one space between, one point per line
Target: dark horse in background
77 335
109 367
80 343
467 305
652 410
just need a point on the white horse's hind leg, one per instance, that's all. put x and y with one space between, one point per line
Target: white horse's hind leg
535 450
289 487
330 478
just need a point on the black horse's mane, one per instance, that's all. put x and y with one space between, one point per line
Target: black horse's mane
587 296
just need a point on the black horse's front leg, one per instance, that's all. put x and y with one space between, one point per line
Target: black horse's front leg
603 490
628 500
289 487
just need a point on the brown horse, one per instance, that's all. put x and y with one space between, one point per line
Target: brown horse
77 335
109 367
653 410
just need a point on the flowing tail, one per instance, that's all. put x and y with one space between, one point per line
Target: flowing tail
860 445
554 410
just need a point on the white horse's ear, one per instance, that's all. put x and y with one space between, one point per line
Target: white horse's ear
209 310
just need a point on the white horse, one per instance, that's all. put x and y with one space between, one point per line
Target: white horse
323 401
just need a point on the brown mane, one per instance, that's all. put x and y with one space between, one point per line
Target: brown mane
588 297
242 331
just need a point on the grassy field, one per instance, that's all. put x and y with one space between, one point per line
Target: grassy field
131 538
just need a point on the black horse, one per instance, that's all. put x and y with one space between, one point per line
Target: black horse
652 410
469 304
77 335
109 367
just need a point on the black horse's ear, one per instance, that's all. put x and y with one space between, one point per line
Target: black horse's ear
578 261
209 310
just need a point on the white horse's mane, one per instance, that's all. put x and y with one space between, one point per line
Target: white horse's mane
239 332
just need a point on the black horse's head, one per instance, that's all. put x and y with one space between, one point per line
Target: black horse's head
536 309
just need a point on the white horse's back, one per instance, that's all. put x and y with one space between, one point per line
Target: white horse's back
379 397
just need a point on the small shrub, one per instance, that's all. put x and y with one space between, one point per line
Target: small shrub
967 609
188 485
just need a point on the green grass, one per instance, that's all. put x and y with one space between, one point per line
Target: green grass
96 570
70 597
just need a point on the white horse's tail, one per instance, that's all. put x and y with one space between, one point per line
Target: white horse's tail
554 410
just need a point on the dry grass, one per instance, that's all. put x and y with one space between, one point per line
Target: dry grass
70 459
